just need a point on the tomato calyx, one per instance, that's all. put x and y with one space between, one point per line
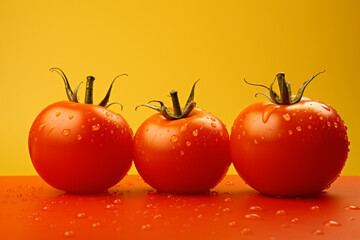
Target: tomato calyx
285 97
72 96
177 113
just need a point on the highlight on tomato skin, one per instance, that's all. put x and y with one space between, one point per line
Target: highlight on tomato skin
289 149
184 151
80 147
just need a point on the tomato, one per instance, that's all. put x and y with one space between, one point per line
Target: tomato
182 153
290 149
80 148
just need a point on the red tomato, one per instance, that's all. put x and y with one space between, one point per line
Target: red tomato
289 150
80 148
185 155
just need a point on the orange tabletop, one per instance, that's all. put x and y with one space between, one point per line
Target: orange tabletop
31 209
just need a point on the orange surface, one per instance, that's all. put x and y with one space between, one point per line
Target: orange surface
30 209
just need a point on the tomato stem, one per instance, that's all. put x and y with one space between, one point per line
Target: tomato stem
176 103
89 90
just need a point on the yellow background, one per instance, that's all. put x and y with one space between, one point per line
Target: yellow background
169 44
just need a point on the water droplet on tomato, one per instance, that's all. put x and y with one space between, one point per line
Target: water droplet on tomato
281 212
318 232
238 137
212 119
69 234
227 210
332 223
81 215
174 138
252 216
327 108
95 127
295 220
310 117
188 143
351 207
329 124
107 114
117 201
286 117
93 118
112 131
66 132
290 132
57 114
335 125
314 208
158 216
41 127
285 225
255 208
232 224
95 225
229 183
182 153
221 133
255 141
298 128
184 128
243 133
195 133
309 126
110 207
246 231
268 111
71 116
228 200
311 108
79 137
213 124
145 227
321 117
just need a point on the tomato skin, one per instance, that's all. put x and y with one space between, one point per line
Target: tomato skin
289 150
188 155
80 148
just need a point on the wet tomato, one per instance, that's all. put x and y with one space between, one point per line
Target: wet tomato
80 148
289 147
182 151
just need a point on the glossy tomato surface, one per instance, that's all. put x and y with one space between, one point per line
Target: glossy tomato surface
289 150
80 148
187 155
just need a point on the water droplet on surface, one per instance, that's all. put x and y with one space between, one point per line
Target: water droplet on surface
227 210
195 133
352 219
281 212
94 118
298 128
229 183
318 232
182 153
184 128
79 137
213 124
246 231
268 111
117 201
290 132
145 227
41 127
158 216
71 116
351 207
95 225
286 117
228 200
238 137
57 114
95 127
311 117
335 125
66 132
81 215
295 220
232 224
212 119
327 108
255 141
110 207
252 216
314 208
256 208
311 108
243 133
321 117
332 223
188 143
174 138
69 234
309 126
285 225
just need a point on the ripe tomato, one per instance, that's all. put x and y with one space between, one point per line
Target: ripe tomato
182 152
80 148
291 149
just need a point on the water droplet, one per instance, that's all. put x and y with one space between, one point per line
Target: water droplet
252 216
298 128
311 108
281 212
228 200
227 210
212 119
79 137
332 223
243 133
188 143
318 232
145 227
213 124
199 216
314 208
232 224
94 118
57 114
285 225
329 124
294 114
95 127
71 116
290 132
66 132
268 111
255 141
246 231
158 216
195 133
238 137
352 219
182 153
295 220
69 234
184 128
327 108
81 215
110 207
309 126
335 125
321 117
41 127
174 138
95 225
286 117
351 207
311 117
255 208
229 183
117 201
107 114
